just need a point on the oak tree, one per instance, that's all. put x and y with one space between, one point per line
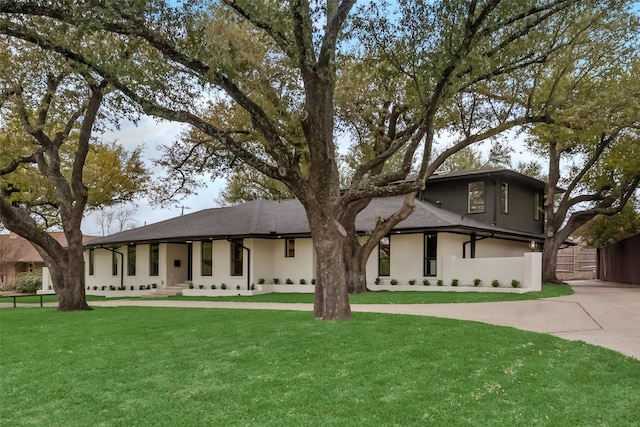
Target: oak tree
51 168
430 66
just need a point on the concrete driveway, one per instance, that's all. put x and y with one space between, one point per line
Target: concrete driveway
600 313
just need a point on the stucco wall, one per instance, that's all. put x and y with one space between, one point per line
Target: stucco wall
298 267
499 248
102 268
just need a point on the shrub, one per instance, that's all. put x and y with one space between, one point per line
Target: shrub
426 282
412 282
88 287
237 287
133 288
190 285
393 282
122 288
28 282
253 286
440 282
148 287
104 288
495 283
95 288
288 281
153 285
313 281
515 283
112 288
214 287
476 282
276 280
377 281
201 286
261 281
143 287
223 286
303 282
454 282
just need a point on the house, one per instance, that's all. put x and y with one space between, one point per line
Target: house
17 255
471 225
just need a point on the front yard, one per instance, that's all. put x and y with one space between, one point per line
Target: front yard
172 366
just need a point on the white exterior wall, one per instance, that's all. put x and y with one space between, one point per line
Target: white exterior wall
407 254
488 248
295 268
526 269
102 268
495 259
262 254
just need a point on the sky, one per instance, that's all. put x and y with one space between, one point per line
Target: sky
152 133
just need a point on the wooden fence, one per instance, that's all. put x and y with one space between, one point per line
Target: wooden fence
576 263
620 262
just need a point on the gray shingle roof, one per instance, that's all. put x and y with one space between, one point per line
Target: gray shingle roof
265 218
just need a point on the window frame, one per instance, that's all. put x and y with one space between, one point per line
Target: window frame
92 261
289 248
428 256
114 263
154 259
504 198
236 258
131 266
387 258
473 202
536 206
206 264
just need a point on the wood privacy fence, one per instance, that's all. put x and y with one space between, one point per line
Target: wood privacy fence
620 262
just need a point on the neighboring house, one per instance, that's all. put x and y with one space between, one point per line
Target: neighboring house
477 224
17 256
619 262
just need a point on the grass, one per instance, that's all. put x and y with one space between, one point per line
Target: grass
32 299
169 366
404 297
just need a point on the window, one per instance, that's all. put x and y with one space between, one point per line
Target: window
430 254
206 265
154 259
91 261
131 260
536 206
504 198
476 197
384 257
236 257
114 263
290 248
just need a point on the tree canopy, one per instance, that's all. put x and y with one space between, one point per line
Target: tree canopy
269 83
51 165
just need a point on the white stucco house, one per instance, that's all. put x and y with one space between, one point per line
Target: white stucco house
484 225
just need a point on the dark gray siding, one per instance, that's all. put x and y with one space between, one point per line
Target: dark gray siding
453 195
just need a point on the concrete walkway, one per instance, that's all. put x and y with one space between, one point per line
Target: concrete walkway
600 313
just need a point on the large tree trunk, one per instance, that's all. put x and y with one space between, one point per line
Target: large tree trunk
66 266
68 283
549 261
355 266
331 297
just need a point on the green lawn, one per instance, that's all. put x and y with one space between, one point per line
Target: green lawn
404 297
185 367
